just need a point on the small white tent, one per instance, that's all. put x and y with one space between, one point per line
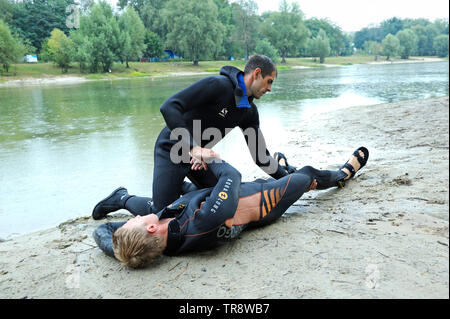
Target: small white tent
30 58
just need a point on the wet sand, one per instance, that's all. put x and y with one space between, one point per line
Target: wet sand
385 235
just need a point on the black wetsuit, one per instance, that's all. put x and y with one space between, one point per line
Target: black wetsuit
200 215
213 101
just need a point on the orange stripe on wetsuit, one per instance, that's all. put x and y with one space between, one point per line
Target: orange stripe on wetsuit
271 198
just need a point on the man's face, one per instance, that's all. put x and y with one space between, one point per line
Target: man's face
142 221
260 85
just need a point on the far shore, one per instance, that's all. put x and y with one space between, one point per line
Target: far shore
186 70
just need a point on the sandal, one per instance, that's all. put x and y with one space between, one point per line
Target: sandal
278 156
361 160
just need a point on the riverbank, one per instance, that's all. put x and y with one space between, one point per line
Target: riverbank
385 235
48 74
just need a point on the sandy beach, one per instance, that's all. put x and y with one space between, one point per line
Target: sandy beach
385 235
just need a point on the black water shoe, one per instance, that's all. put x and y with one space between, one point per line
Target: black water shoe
115 201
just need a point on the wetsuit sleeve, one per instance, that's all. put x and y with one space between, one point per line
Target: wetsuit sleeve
222 202
258 148
103 236
201 93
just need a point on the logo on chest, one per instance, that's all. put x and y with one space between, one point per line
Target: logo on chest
224 112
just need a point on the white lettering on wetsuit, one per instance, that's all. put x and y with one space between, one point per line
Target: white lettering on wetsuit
229 233
223 195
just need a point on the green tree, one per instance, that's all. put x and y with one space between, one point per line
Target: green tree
35 19
60 49
246 19
44 56
348 44
137 5
431 31
194 28
154 45
333 32
132 35
319 46
151 13
374 48
85 5
368 34
102 32
441 45
392 26
391 46
264 47
441 26
421 35
6 11
286 30
409 23
82 48
408 43
231 44
11 48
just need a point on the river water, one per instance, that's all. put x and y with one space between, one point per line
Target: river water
65 147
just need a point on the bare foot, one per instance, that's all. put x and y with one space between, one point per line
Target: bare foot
353 161
312 186
281 161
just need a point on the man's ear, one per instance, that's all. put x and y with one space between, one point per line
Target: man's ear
151 228
257 73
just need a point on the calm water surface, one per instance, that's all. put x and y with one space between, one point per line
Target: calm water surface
63 148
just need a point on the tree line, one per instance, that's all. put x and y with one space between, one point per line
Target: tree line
405 37
196 30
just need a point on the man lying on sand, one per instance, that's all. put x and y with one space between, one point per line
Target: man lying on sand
201 218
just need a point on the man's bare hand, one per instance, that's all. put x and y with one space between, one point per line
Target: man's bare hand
200 156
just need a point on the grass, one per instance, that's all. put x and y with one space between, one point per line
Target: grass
340 60
138 69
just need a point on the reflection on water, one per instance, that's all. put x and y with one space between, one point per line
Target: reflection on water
63 148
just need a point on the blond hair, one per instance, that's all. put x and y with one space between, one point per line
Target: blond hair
135 248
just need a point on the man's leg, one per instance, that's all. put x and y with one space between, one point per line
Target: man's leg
167 181
278 195
326 178
140 206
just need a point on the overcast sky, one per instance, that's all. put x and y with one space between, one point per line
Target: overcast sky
353 15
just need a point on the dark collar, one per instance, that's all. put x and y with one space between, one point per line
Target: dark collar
174 238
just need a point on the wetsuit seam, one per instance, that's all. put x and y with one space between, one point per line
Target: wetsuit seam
189 219
206 232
